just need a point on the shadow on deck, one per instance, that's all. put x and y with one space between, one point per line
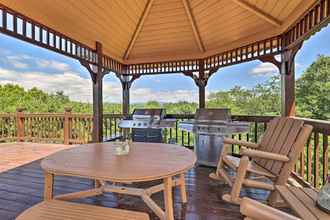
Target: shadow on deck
22 187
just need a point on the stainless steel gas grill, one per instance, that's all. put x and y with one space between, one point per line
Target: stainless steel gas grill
147 125
210 126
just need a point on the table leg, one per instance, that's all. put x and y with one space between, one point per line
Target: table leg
183 188
168 197
97 183
48 186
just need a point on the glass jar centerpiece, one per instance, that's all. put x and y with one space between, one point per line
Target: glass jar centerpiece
323 201
122 148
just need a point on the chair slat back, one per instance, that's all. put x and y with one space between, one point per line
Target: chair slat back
279 138
285 169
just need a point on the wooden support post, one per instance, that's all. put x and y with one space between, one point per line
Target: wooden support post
97 109
288 81
126 98
201 83
97 73
67 125
201 93
20 124
126 83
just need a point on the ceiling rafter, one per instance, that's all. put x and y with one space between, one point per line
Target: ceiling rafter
138 28
193 25
270 19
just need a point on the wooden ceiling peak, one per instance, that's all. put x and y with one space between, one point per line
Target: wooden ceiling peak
138 28
193 25
270 19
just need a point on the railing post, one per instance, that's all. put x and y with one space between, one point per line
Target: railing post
20 124
67 125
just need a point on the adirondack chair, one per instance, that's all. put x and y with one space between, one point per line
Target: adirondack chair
253 210
273 158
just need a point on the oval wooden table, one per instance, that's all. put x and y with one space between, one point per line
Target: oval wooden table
145 162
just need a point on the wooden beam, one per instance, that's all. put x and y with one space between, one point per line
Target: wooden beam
138 28
126 98
288 81
193 24
270 19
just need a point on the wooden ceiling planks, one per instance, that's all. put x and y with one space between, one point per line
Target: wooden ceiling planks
138 28
163 31
258 12
172 29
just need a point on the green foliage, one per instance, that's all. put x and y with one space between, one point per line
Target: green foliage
263 99
313 90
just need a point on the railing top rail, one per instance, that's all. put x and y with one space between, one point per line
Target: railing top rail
322 126
114 115
43 114
7 114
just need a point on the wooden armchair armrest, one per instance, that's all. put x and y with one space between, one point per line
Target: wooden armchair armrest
263 155
241 143
258 211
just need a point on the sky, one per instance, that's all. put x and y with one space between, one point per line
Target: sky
30 66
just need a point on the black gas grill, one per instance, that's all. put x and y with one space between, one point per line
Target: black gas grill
147 125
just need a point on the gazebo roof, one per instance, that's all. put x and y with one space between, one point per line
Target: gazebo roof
144 31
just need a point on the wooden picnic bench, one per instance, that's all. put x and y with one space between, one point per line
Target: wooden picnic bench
56 209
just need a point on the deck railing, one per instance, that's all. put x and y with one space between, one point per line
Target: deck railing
72 128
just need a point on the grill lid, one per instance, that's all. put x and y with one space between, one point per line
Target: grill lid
213 115
154 114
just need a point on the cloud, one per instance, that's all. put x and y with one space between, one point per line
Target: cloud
79 88
30 72
73 85
264 69
146 94
52 64
17 61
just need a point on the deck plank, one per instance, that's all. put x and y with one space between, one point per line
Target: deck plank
22 187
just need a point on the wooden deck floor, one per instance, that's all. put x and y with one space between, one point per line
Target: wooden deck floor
17 154
22 187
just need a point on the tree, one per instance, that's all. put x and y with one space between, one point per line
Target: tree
263 99
313 90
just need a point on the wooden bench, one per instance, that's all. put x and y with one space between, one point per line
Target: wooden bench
56 209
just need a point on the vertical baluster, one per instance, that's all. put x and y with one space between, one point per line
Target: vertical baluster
176 131
233 146
110 121
239 138
302 163
309 160
325 157
115 119
188 139
316 160
105 124
255 132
